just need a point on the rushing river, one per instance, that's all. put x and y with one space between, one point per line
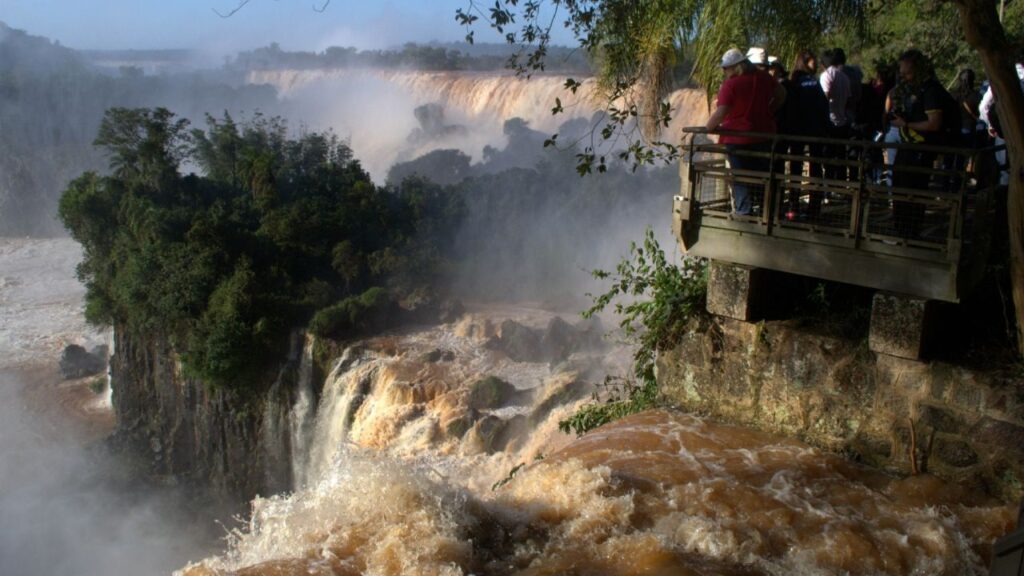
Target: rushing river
67 508
401 465
390 486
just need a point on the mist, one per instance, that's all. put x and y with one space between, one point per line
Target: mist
67 509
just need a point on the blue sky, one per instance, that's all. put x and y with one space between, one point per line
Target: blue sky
192 23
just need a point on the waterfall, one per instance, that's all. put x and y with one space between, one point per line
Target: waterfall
480 95
344 391
276 420
301 418
479 102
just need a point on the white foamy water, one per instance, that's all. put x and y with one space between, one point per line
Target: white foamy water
41 301
393 487
657 493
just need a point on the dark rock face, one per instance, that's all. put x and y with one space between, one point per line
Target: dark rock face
76 362
180 430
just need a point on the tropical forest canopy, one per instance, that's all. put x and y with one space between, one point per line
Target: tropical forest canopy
278 233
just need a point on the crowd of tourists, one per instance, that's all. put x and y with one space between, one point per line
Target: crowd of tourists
902 103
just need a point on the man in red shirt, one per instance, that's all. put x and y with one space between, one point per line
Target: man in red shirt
747 102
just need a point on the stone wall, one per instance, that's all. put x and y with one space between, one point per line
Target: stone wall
837 394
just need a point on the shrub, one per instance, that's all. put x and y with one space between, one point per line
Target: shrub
354 315
656 301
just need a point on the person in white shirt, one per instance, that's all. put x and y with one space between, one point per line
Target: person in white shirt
985 110
836 85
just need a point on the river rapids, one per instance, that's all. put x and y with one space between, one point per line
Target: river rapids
412 466
436 450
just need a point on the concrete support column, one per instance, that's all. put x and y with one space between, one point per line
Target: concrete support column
737 291
900 324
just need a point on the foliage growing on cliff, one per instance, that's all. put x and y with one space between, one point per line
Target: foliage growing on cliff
355 314
226 264
656 301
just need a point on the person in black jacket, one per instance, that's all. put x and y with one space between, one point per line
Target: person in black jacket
930 116
806 114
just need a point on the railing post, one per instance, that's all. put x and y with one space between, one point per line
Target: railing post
858 199
768 205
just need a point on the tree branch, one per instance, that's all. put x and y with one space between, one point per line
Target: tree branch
241 4
322 8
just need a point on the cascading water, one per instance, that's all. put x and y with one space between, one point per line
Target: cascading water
413 430
301 416
345 389
481 102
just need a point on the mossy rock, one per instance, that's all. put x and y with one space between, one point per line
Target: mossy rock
490 392
437 355
492 434
458 427
561 396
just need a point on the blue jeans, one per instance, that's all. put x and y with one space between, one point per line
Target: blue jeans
743 194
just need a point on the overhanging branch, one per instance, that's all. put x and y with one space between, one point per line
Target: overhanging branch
241 4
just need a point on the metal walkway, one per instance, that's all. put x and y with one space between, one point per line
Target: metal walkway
837 210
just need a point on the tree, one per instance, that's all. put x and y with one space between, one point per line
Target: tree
984 31
635 41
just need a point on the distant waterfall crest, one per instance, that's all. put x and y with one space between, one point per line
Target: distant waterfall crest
485 95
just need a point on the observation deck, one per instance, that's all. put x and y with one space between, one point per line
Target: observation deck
847 223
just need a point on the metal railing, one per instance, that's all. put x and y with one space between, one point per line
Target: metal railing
911 201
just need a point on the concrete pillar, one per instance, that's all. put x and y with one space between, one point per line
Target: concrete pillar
900 325
737 291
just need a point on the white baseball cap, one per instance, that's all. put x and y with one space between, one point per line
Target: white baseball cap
732 57
756 55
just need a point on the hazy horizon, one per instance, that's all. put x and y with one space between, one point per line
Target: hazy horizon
193 24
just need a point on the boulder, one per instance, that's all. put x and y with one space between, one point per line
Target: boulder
491 392
519 342
559 340
77 362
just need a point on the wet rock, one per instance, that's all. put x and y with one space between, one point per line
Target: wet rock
955 452
492 434
458 427
559 340
438 355
519 342
76 362
491 392
938 419
561 395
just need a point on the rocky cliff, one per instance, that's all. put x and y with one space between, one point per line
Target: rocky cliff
182 431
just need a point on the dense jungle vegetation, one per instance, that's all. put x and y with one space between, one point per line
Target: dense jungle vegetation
276 233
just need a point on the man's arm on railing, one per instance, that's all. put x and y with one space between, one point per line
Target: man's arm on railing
716 117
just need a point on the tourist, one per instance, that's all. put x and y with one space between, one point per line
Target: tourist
758 57
987 114
968 99
806 115
747 102
836 85
929 115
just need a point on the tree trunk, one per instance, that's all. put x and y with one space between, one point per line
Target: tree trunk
984 32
